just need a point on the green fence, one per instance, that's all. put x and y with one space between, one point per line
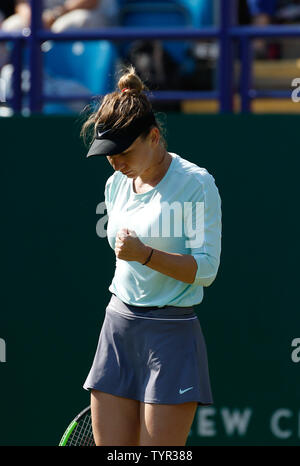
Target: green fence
56 272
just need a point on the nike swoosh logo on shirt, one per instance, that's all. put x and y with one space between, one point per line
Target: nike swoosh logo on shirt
183 391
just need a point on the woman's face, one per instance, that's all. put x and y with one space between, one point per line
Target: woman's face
138 158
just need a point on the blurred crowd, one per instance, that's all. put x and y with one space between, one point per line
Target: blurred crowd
57 16
60 15
271 12
162 65
264 12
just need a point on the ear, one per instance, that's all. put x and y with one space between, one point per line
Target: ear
155 135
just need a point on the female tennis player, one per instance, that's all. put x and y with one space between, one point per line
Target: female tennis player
150 370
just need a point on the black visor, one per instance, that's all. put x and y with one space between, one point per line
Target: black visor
116 140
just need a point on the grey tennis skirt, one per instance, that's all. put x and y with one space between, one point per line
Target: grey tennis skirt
150 354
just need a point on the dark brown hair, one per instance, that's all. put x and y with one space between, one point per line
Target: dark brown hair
119 108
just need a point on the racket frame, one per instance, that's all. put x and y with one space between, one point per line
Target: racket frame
73 424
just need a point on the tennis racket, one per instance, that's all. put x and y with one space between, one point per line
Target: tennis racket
79 432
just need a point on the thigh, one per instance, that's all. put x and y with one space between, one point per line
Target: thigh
115 419
163 424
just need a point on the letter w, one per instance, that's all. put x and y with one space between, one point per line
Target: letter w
236 420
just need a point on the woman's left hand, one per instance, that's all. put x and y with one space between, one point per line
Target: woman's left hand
129 247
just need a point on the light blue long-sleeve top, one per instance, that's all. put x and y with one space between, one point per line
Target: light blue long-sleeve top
181 214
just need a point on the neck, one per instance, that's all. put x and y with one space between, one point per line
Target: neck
157 170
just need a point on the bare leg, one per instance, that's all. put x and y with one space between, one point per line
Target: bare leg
115 419
166 424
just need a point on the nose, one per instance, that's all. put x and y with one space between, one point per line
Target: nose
117 164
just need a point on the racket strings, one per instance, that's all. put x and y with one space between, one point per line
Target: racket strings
82 434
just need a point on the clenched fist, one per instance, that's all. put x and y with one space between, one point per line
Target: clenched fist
129 247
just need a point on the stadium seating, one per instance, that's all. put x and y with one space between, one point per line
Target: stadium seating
201 11
157 14
91 64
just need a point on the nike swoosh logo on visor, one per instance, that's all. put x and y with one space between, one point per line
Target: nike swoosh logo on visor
99 135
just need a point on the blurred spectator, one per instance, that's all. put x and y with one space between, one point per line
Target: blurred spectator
288 11
269 11
7 8
265 12
262 11
58 16
61 15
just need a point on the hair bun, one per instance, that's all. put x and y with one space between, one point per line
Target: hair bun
130 81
